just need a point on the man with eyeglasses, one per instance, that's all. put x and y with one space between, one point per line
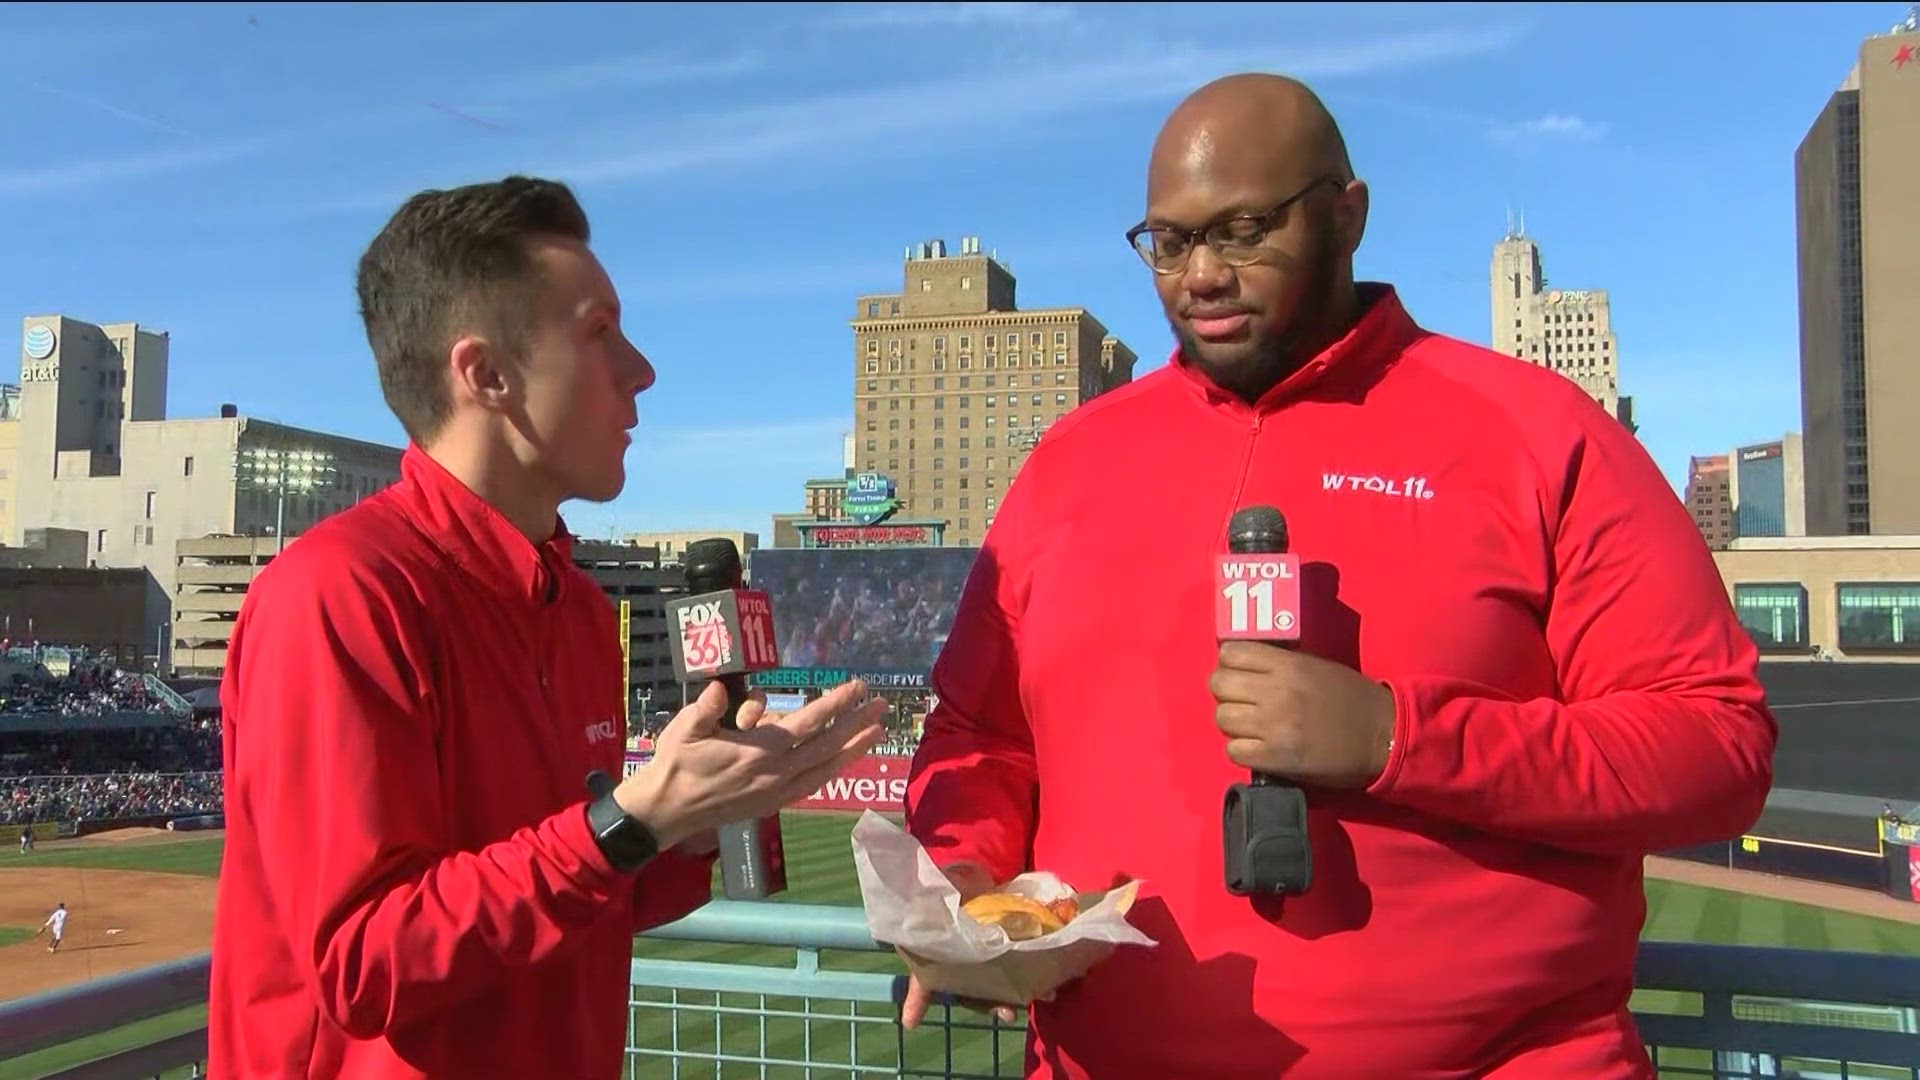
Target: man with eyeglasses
1518 671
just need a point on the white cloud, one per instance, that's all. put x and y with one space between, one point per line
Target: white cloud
1550 126
609 72
67 174
995 100
955 15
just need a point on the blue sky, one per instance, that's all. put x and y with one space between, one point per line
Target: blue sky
215 171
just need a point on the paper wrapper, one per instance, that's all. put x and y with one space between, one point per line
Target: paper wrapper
911 906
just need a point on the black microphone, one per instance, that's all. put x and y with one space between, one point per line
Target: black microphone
1257 598
719 632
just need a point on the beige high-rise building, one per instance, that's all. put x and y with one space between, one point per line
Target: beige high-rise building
85 445
953 383
1567 330
1857 201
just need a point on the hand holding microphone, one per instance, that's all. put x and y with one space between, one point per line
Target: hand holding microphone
1300 718
1294 720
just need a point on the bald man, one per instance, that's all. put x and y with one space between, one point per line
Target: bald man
1517 673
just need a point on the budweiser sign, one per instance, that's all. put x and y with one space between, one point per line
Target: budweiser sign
872 783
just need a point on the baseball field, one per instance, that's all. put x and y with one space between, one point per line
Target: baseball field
142 897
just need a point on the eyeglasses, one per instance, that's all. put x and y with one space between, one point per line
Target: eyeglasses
1166 248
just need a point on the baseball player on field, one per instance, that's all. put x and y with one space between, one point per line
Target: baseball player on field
56 922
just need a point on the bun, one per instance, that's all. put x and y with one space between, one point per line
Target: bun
1021 918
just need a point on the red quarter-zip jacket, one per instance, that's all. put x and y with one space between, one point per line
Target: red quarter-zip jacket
413 698
1573 693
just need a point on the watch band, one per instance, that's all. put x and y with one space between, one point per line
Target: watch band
625 840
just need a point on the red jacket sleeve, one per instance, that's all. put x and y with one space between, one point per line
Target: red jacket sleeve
670 888
1660 738
334 754
972 784
674 884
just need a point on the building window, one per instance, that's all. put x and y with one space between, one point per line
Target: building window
1059 337
873 367
100 540
151 496
186 469
1774 615
1881 615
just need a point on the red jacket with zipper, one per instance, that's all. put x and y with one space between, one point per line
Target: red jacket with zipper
1573 693
414 695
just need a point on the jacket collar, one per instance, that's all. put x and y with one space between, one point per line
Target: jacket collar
479 538
1344 368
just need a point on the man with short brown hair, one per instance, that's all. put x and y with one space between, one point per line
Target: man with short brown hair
417 882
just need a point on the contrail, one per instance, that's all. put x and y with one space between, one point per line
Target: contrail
458 115
114 110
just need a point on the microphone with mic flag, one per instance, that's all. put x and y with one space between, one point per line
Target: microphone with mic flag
718 632
1257 598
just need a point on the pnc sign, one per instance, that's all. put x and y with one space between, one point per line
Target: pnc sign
870 498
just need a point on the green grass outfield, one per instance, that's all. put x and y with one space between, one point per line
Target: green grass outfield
821 872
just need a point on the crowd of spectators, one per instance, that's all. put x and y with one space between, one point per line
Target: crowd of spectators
83 692
109 796
60 763
868 610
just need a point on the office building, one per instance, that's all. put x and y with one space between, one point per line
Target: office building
953 383
88 448
214 572
672 545
1849 597
1710 498
1567 330
1768 490
1857 204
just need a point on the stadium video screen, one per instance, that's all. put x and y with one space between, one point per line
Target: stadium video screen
875 612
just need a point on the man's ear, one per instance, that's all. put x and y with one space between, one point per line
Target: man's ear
481 374
1351 214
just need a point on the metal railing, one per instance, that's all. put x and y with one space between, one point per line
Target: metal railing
1705 1011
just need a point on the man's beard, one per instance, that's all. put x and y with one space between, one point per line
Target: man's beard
1275 352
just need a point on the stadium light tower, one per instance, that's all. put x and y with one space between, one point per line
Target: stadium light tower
301 472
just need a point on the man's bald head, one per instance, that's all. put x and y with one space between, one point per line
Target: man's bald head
1250 122
1261 155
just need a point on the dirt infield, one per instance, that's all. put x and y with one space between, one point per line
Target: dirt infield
134 838
120 920
1776 887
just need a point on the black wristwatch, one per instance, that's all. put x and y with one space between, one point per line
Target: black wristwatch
624 839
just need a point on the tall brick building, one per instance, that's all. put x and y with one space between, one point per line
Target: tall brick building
953 383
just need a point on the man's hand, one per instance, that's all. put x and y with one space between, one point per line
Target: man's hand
971 880
1301 718
703 775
